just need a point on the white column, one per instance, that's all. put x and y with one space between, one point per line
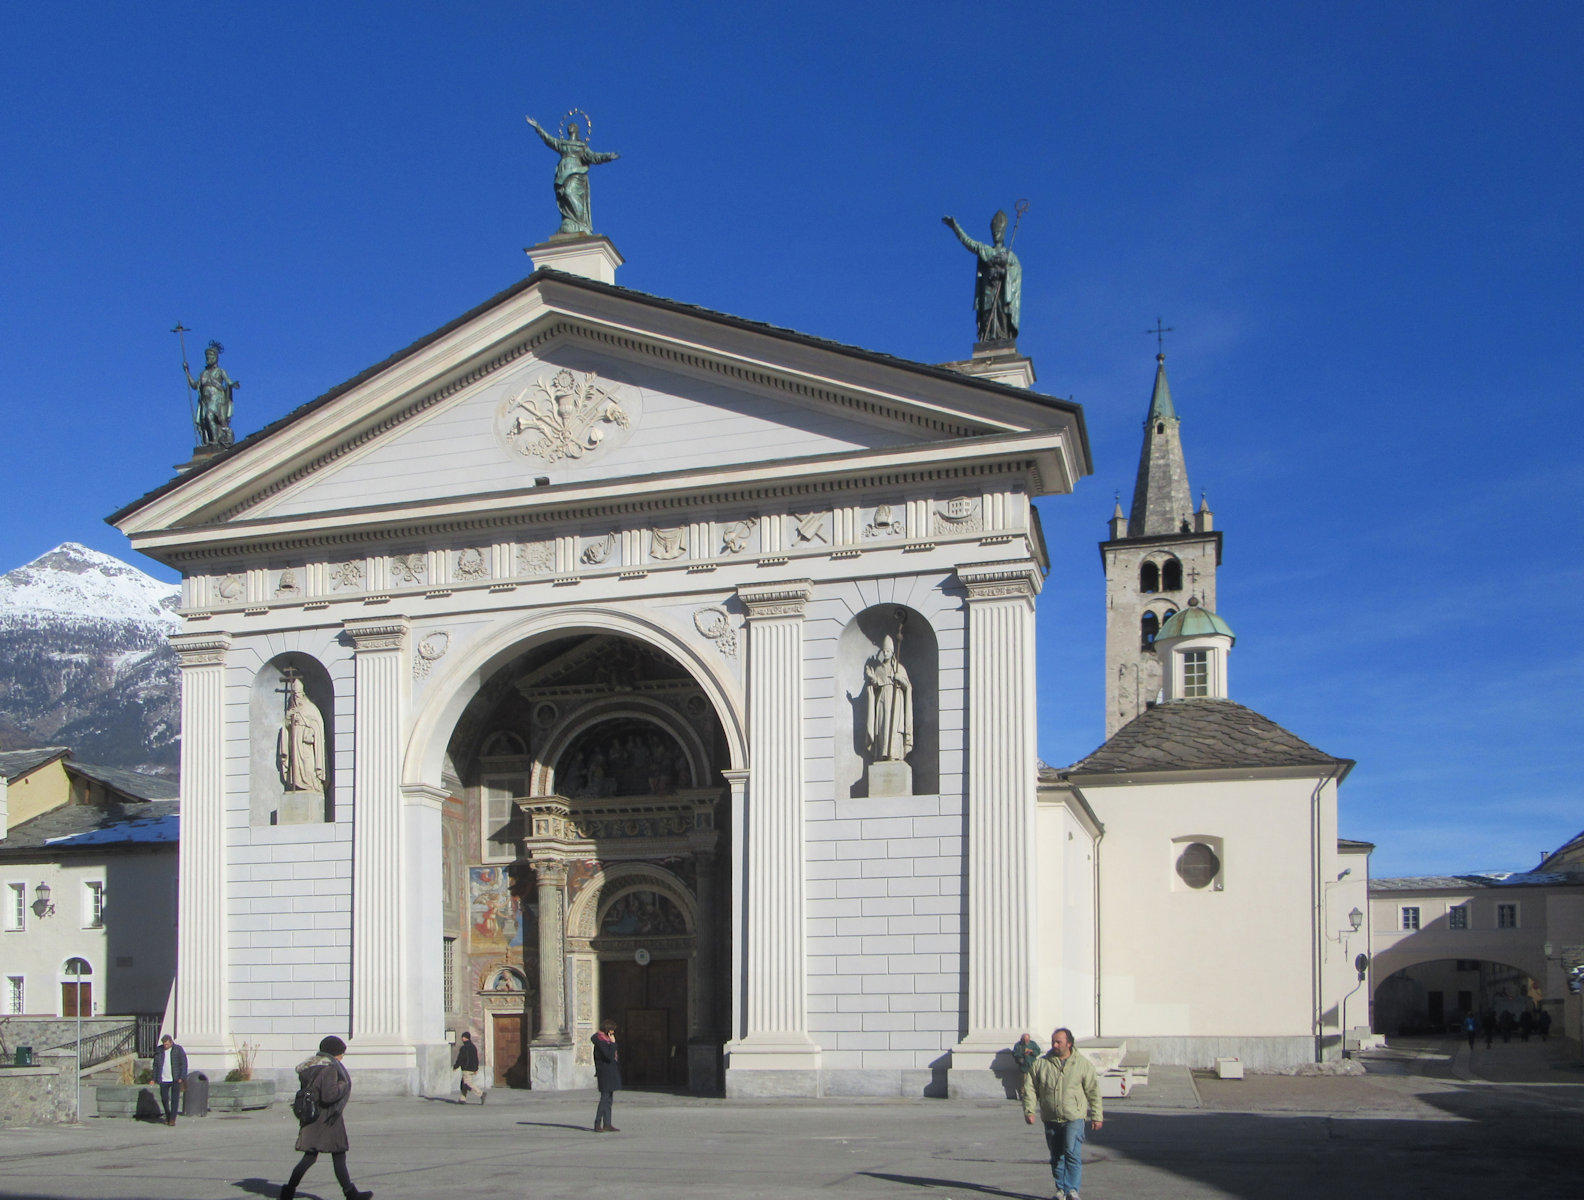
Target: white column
775 1002
1002 776
379 955
201 1020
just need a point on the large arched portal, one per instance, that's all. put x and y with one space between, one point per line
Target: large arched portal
1435 997
584 857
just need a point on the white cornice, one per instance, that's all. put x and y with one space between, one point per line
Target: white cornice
1040 463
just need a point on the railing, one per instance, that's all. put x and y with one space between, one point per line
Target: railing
148 1027
102 1047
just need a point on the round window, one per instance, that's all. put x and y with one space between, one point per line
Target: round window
1198 865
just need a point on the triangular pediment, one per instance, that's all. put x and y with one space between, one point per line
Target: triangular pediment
575 385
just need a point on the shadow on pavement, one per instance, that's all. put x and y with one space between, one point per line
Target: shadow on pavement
956 1184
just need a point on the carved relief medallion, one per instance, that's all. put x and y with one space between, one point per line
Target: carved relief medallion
734 538
960 514
347 575
409 568
668 543
598 552
714 622
471 563
885 523
563 414
536 558
428 651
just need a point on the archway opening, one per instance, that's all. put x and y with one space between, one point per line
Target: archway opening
581 756
1435 998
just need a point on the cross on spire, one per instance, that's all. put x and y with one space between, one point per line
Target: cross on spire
1160 331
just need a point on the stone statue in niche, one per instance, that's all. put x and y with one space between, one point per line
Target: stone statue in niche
889 721
300 748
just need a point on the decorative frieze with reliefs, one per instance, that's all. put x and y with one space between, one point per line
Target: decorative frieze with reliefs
960 514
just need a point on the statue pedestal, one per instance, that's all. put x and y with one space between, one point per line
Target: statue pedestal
998 362
890 779
589 255
300 808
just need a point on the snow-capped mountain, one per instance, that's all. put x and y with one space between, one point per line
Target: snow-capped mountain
85 661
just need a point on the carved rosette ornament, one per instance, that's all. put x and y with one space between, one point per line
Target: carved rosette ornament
562 414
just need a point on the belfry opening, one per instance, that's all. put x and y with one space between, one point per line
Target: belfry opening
583 869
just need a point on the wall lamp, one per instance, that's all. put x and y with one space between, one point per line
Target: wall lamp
41 901
1356 918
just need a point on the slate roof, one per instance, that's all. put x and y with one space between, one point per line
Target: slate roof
15 763
1569 856
1200 735
74 825
1473 881
547 273
129 783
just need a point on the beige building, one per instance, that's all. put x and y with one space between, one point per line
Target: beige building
1502 942
88 881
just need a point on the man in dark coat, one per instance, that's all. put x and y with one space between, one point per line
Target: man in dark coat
467 1061
607 1074
170 1072
331 1087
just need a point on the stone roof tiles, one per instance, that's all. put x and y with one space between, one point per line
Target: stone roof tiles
1200 735
15 763
133 823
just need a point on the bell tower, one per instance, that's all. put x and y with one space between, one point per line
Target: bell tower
1160 555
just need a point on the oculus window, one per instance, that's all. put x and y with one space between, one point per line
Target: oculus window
1198 865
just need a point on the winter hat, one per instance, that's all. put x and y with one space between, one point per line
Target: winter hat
332 1046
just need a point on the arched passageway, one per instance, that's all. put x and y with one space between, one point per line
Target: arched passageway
585 864
1436 995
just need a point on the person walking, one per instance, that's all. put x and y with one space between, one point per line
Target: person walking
1064 1089
1488 1025
327 1079
1543 1024
1024 1053
170 1072
1471 1028
467 1061
607 1074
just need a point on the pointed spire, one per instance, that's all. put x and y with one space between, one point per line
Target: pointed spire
1118 522
1162 500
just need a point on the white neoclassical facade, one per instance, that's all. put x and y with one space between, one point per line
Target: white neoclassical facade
602 655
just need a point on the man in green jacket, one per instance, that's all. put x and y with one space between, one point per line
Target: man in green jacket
1065 1091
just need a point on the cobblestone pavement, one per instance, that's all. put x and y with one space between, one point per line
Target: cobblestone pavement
1428 1121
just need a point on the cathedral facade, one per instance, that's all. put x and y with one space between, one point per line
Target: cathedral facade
604 656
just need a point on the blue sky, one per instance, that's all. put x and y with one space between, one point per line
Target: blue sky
1362 221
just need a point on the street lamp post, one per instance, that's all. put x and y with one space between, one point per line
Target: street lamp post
76 966
1361 964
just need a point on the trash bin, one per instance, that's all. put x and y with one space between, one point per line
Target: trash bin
195 1097
24 1056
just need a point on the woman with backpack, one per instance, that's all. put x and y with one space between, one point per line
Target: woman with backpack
321 1098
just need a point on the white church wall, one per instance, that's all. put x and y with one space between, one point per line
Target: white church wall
288 890
1191 971
884 872
1064 881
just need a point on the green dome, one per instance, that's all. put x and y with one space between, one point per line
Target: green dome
1194 621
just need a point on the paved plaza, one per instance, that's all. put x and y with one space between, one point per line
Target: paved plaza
1428 1121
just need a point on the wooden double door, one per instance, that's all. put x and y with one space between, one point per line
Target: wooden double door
649 1005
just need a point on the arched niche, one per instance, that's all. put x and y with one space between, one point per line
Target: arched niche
861 640
270 802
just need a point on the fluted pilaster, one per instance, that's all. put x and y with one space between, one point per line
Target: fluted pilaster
1001 776
379 967
775 1004
201 1019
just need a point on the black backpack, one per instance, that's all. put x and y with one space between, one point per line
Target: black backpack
305 1105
